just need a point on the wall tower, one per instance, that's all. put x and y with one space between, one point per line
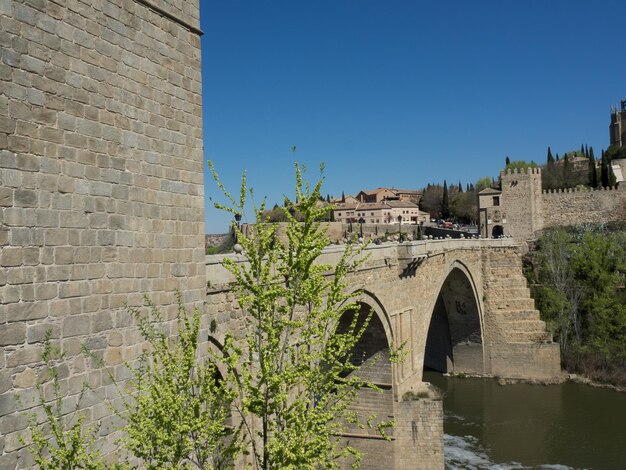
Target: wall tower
617 128
521 197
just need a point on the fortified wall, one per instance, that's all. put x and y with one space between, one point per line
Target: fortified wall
521 209
101 190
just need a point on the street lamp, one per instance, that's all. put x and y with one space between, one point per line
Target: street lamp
237 220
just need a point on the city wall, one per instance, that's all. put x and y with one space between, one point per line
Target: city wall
571 207
525 210
101 191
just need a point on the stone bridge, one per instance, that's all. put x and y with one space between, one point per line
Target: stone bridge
458 306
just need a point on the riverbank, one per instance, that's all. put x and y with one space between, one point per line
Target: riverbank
565 377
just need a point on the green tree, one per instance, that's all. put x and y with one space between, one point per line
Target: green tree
522 164
445 202
576 277
550 157
293 373
463 207
431 200
484 183
176 407
605 171
65 442
593 176
567 172
507 161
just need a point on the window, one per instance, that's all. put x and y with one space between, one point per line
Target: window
496 200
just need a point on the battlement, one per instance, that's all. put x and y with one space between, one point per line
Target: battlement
583 190
521 171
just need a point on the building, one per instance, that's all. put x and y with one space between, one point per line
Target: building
389 211
376 195
617 128
383 194
521 209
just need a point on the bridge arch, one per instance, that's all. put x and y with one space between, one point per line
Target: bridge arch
372 350
454 341
372 354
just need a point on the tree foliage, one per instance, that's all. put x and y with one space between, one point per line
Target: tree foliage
445 202
68 442
176 408
577 278
293 374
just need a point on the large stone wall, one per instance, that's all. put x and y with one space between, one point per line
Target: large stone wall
571 207
525 209
101 190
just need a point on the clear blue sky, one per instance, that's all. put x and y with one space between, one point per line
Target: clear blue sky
402 93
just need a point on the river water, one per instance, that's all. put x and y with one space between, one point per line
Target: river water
523 426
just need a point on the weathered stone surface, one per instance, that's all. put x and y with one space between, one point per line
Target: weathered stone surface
81 121
523 209
25 379
12 333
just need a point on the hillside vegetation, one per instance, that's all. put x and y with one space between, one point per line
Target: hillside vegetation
577 277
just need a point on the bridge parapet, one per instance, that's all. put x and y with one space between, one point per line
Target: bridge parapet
218 277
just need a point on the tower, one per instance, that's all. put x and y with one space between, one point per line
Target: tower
522 202
617 128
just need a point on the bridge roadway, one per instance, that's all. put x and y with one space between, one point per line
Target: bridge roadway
459 306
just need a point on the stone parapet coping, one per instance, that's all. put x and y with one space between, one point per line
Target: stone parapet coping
217 275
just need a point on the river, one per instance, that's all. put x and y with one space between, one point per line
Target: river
523 426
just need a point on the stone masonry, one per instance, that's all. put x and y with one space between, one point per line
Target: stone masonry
523 209
476 289
101 189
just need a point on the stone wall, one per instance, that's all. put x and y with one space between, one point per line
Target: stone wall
525 209
521 202
101 189
571 207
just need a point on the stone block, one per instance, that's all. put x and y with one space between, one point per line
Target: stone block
76 325
11 256
25 198
24 311
12 334
24 356
39 332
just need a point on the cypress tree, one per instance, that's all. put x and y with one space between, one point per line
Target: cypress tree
460 187
586 151
566 171
508 160
582 149
445 203
550 157
604 171
343 197
593 178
